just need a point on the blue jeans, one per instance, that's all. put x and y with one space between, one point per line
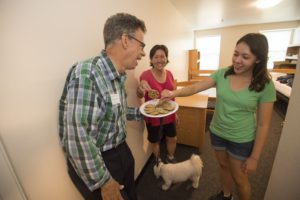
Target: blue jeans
239 151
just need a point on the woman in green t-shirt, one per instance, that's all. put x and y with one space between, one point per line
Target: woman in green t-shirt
240 125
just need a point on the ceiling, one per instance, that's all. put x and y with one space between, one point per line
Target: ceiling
206 14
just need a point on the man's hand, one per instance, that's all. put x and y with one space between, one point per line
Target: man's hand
111 190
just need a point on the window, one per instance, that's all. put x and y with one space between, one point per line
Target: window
278 42
209 47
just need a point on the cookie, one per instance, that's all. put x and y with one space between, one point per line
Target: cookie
149 106
159 109
153 94
168 106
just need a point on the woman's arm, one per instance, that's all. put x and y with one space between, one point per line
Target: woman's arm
264 115
189 90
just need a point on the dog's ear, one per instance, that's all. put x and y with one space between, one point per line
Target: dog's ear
161 164
158 166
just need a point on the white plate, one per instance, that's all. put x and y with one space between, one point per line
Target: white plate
155 101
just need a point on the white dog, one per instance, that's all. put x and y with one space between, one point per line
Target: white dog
179 172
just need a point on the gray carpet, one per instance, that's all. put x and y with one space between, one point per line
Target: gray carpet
149 188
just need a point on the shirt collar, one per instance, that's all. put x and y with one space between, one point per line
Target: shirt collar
110 69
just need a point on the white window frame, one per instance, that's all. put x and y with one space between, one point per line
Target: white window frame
209 51
278 46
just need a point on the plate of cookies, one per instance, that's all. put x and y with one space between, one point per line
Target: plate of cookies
156 109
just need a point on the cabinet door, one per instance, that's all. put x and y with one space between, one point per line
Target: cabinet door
191 127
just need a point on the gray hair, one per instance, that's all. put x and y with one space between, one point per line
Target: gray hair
121 23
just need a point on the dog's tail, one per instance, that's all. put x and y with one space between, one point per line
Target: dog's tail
197 163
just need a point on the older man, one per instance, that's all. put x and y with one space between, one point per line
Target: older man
93 114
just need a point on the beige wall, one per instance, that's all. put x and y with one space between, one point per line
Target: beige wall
40 40
230 35
285 177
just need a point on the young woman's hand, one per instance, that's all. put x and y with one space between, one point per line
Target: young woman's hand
167 94
249 165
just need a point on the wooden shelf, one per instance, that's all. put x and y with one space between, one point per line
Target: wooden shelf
289 65
194 63
294 57
286 71
292 52
194 72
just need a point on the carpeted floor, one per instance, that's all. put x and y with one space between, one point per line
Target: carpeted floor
149 188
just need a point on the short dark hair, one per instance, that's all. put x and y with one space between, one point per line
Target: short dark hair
258 45
159 47
121 23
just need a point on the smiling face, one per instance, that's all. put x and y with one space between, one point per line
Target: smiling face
159 60
243 59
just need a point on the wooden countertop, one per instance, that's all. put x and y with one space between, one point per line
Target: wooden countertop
195 101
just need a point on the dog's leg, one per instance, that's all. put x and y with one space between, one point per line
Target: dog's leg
195 180
167 185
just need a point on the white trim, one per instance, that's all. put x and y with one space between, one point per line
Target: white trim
10 187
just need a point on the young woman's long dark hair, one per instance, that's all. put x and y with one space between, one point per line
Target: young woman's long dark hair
258 45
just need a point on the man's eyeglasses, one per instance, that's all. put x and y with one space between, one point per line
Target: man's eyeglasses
141 43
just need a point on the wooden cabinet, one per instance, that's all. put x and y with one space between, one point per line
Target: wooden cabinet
194 59
194 62
289 64
194 71
192 120
292 54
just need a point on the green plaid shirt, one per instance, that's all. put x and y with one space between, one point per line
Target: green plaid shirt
92 117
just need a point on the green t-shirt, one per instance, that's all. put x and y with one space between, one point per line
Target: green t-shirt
235 112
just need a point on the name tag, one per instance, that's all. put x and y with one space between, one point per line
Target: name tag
115 99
